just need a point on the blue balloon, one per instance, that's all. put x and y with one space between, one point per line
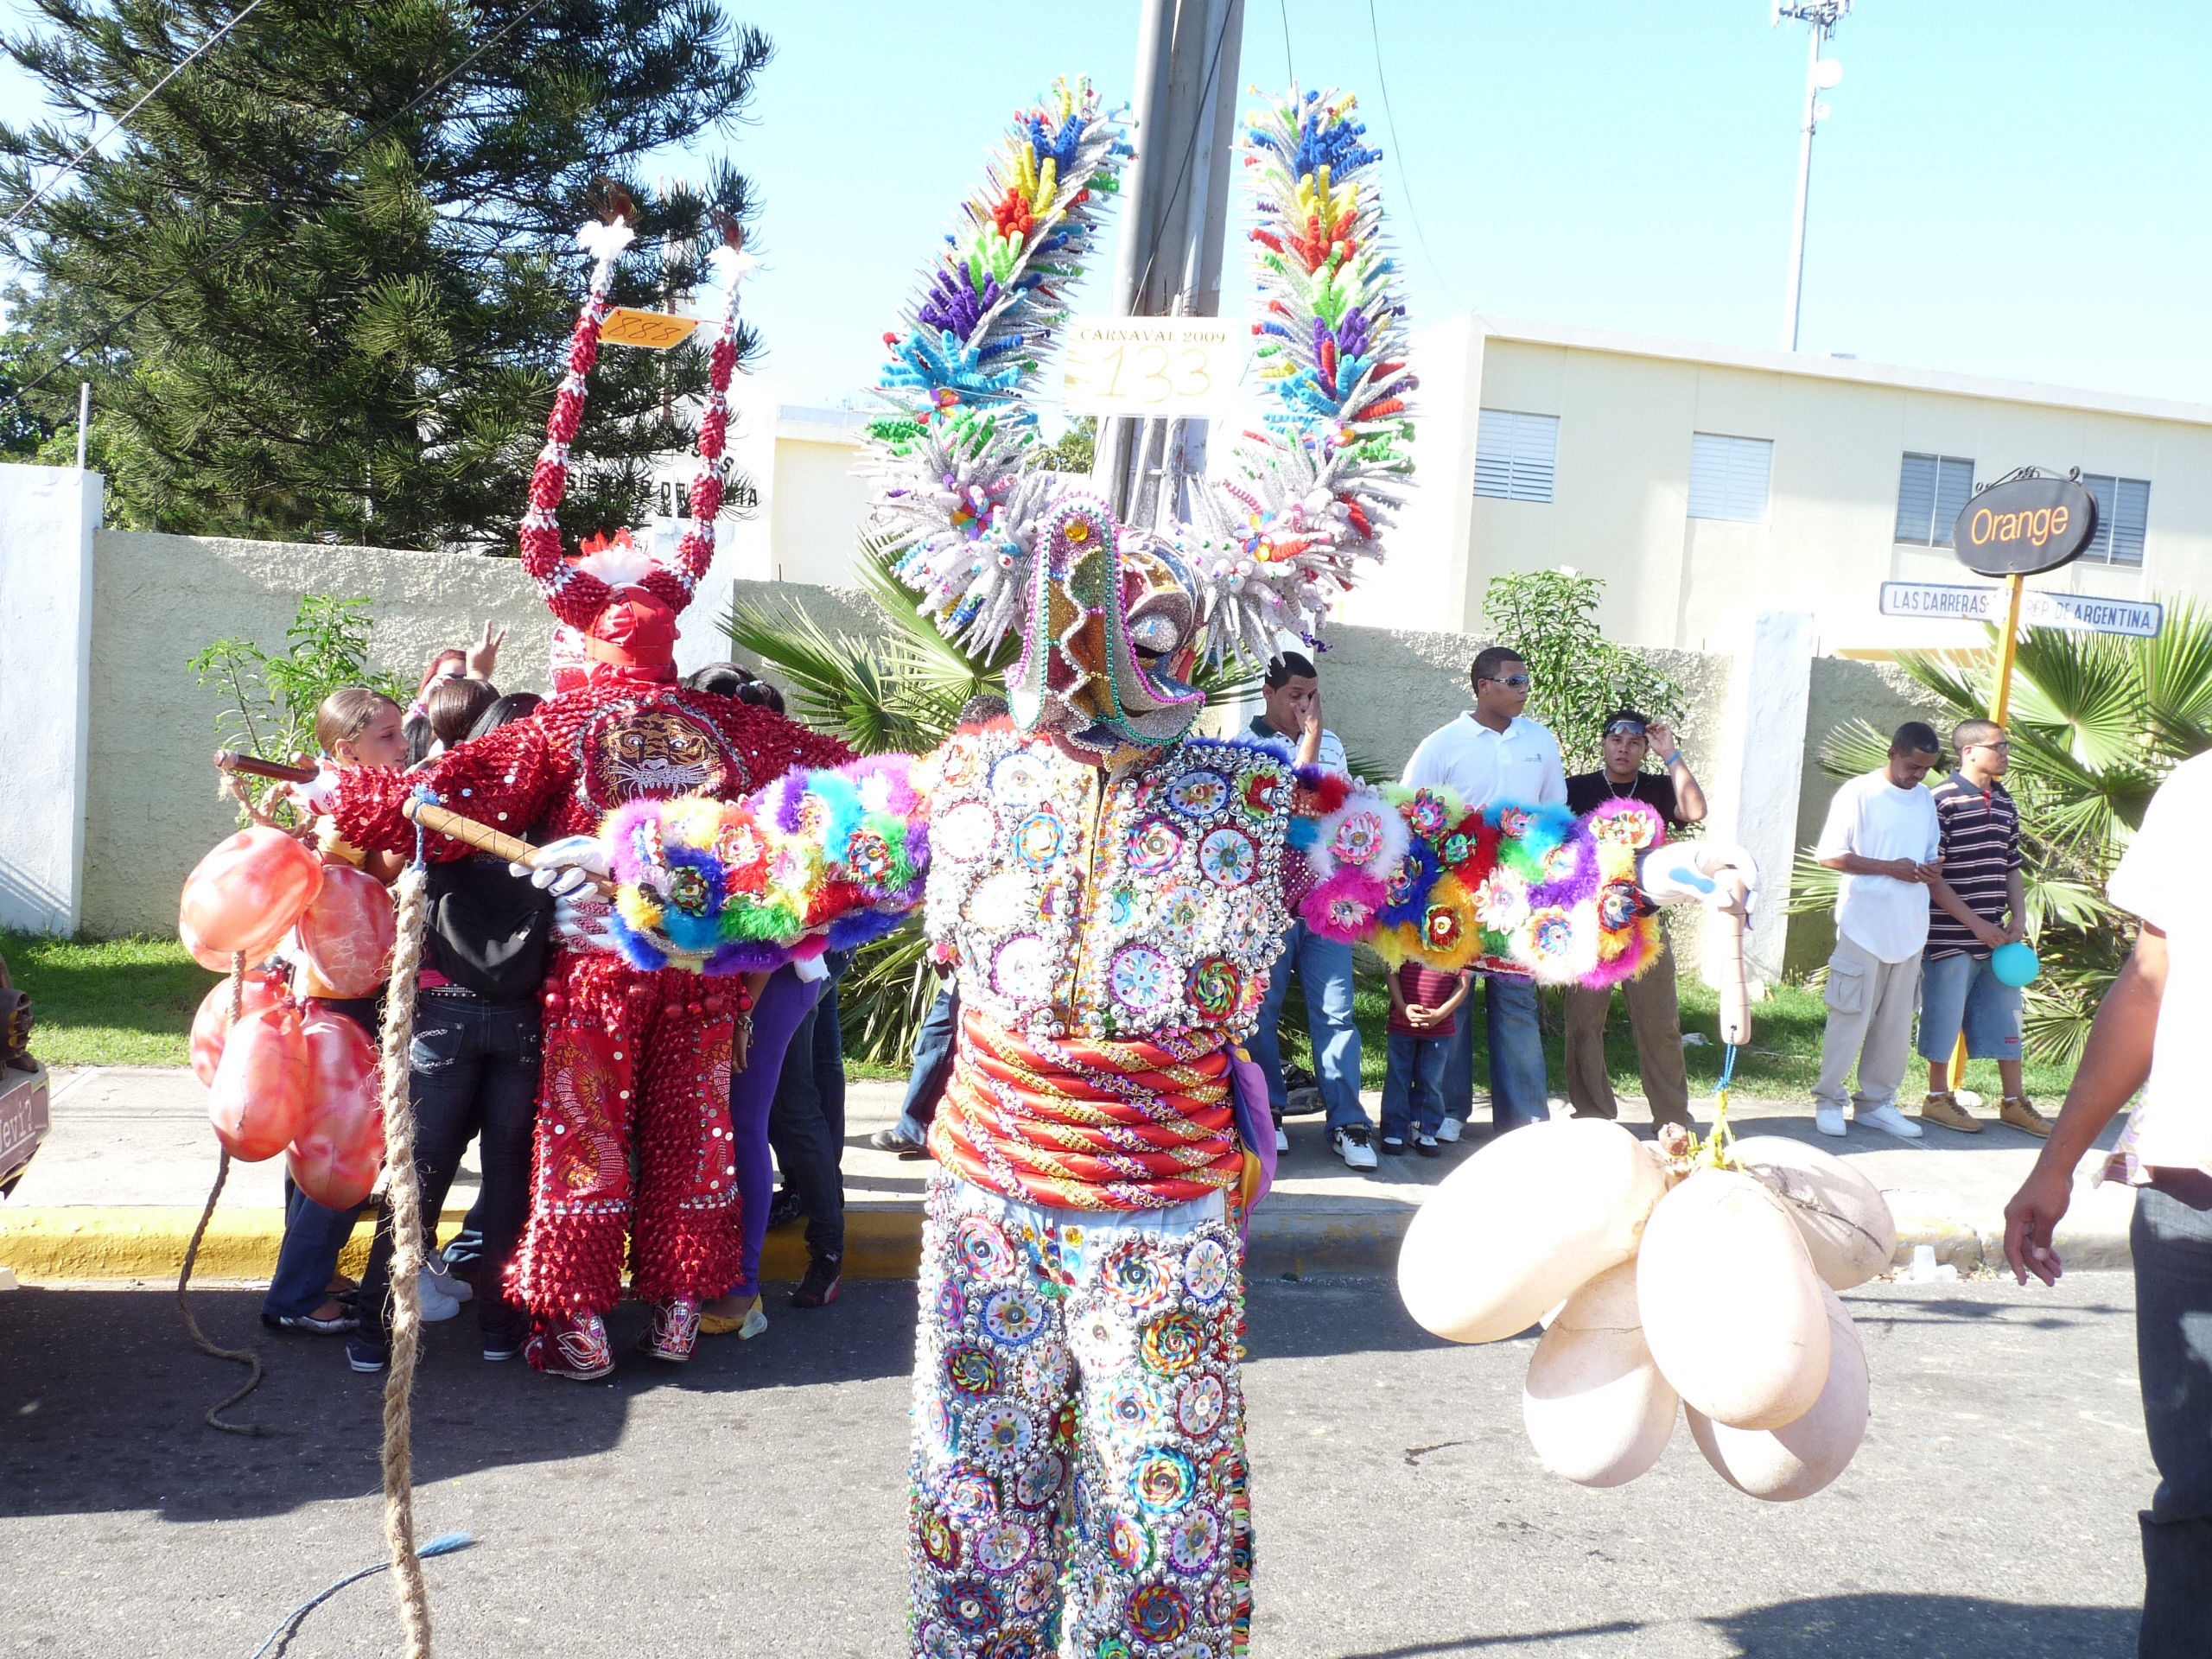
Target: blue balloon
2015 963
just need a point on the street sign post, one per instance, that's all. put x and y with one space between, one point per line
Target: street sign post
1953 601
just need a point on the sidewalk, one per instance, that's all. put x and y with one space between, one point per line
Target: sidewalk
117 1189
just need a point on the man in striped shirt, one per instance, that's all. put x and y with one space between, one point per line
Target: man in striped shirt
1975 906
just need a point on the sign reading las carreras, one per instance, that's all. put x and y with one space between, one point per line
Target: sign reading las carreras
1158 367
2020 526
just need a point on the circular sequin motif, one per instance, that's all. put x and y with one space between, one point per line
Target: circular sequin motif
1358 838
1129 1540
1180 913
1224 1474
1193 1541
1022 971
1036 1588
1172 1343
1266 792
964 831
1141 978
968 1496
1160 1612
1020 779
1618 904
1013 1315
1130 1409
1115 1646
1101 1343
971 1605
1551 932
1214 990
1001 901
982 1247
1228 858
1198 794
1039 1483
1206 1271
1162 1481
972 1369
1248 931
1036 838
1426 815
939 1541
1135 1275
1001 1548
1199 1405
1043 1371
998 1435
1153 847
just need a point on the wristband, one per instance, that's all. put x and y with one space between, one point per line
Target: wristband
1671 759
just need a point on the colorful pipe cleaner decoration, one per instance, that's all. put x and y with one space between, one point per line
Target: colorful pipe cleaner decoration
963 497
1532 890
817 861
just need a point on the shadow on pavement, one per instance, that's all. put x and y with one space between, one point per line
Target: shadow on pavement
1917 1626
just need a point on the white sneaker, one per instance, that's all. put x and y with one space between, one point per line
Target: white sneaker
1282 1140
1828 1120
439 1277
437 1306
1448 1130
1355 1144
1889 1118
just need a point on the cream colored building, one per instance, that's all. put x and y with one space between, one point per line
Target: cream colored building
1706 484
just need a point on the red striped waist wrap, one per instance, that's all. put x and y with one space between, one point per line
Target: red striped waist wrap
1089 1125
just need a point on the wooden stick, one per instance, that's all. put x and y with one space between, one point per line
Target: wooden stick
1735 994
483 837
232 760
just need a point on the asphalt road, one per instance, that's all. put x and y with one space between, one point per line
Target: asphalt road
753 1503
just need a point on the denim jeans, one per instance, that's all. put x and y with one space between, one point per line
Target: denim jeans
472 1075
805 1151
313 1235
1518 1088
2172 1247
1324 968
828 1053
1413 1088
932 1065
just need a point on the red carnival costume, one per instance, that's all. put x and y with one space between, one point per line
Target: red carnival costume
634 1061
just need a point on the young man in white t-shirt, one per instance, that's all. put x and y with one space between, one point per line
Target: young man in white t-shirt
2152 1033
1882 833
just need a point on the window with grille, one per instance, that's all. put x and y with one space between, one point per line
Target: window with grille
1728 477
1930 491
2123 516
1515 454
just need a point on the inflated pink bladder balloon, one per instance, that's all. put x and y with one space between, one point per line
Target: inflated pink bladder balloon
339 1149
249 890
217 960
259 1097
348 932
211 1026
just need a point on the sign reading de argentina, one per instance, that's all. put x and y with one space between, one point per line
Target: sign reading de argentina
2021 525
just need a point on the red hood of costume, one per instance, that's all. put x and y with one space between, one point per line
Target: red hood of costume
634 632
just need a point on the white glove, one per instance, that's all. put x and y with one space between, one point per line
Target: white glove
1714 873
313 799
565 867
581 923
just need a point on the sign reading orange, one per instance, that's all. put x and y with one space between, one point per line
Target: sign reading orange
2020 526
654 330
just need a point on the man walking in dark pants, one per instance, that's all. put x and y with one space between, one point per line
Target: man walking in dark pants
2149 1034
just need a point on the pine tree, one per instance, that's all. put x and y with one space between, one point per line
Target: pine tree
334 261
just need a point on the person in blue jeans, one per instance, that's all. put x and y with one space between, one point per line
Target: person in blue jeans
926 1078
1424 1007
1291 716
301 1296
1519 1090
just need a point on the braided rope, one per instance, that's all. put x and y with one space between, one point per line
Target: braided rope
246 1357
405 1189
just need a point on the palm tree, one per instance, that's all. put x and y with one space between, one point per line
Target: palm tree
900 691
2097 722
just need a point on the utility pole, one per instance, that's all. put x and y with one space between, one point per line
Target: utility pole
1175 221
1820 73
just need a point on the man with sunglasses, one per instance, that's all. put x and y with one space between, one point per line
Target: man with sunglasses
1493 754
1977 903
1674 793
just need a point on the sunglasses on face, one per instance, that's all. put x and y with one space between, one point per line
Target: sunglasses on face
2002 743
1516 681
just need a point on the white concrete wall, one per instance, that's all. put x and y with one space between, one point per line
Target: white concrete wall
818 510
1753 787
1840 431
48 517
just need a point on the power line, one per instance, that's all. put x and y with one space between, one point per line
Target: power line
1289 65
366 139
124 119
1405 178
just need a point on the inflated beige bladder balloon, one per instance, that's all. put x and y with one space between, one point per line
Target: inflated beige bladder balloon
1842 1216
1731 1304
1597 1410
1524 1223
1800 1458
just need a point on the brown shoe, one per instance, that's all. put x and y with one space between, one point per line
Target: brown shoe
2021 1113
1944 1109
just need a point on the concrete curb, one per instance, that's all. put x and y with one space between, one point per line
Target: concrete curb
86 1243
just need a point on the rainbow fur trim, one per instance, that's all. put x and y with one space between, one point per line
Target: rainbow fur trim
818 860
1414 873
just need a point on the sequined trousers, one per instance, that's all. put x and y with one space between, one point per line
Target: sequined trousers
1080 1483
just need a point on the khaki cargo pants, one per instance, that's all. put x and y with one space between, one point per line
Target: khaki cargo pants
1871 1005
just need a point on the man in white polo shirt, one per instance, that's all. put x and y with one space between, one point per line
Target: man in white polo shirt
1491 754
1883 834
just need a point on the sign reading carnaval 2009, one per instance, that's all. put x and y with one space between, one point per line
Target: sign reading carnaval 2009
1161 368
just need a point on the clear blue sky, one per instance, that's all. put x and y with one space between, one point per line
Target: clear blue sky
2012 190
